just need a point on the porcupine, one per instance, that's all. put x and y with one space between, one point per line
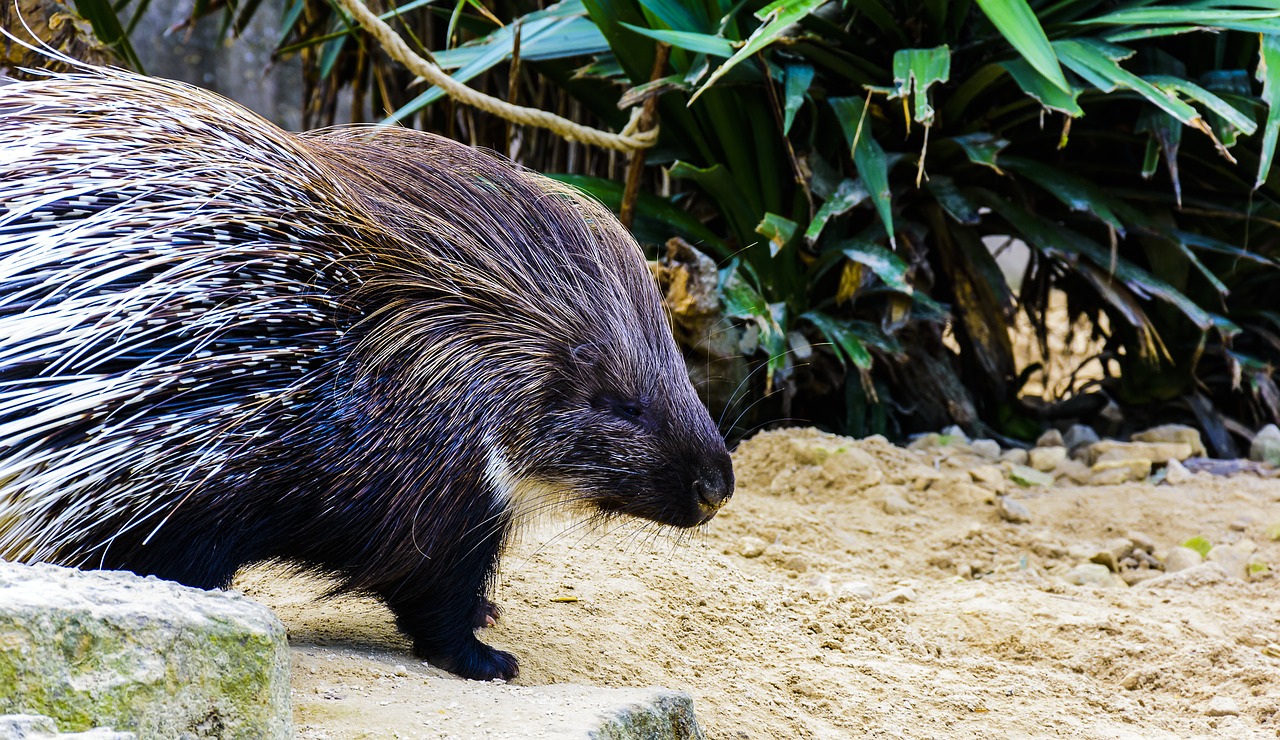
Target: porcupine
364 351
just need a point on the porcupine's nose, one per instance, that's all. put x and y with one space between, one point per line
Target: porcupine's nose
712 489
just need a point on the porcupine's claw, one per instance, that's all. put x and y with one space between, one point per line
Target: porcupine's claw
476 661
488 614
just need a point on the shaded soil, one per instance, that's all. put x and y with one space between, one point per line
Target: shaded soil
808 610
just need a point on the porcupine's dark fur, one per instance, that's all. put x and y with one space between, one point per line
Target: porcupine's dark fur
365 351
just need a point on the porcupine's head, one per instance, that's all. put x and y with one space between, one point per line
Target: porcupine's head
542 312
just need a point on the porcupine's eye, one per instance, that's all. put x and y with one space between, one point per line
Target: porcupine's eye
629 410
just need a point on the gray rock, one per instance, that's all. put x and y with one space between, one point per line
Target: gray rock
1051 438
1011 510
1181 558
1266 445
661 715
1079 435
140 654
955 433
39 727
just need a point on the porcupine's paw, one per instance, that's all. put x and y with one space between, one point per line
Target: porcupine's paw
488 614
478 661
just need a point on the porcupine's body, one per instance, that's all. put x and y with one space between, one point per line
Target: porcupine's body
362 351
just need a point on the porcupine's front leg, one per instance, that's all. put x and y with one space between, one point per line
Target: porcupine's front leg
442 618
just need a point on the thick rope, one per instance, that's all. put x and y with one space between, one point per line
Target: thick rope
629 140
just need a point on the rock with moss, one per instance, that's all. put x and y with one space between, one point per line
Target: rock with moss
155 658
39 727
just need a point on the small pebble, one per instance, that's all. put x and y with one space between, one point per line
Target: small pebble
400 670
895 503
1134 577
1175 473
1079 435
1015 455
860 589
990 477
965 571
1222 706
1140 541
1012 511
1025 476
1114 472
1234 559
1075 471
1119 547
1181 558
897 596
796 563
1045 459
820 586
988 448
1048 549
1146 559
1105 558
1051 438
955 433
752 547
1239 525
1090 574
1266 445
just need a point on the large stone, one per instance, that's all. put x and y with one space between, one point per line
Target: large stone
1175 433
97 648
653 714
39 727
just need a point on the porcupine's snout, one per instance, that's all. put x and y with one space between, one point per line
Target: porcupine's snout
714 485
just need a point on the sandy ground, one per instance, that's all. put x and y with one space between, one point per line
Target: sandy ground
807 609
